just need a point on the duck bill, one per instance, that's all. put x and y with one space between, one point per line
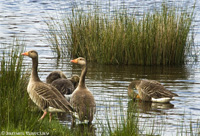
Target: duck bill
74 61
25 54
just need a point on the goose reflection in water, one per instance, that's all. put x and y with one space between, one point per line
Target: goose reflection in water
79 128
145 106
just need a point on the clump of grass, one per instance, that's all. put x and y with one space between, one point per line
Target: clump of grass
16 114
12 87
158 38
126 126
123 124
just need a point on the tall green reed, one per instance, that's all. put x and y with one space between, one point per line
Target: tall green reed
127 125
12 88
158 38
123 124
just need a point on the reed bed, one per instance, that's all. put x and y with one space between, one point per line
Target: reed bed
12 87
160 37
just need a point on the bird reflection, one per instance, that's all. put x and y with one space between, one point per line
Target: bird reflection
84 129
145 107
78 129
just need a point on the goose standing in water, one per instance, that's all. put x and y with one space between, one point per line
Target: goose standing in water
82 99
60 82
150 90
44 95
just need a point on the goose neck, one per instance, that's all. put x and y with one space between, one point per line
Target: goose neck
34 73
131 92
83 74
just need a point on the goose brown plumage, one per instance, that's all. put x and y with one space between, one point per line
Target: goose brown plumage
64 85
75 80
44 95
54 76
60 82
150 90
82 99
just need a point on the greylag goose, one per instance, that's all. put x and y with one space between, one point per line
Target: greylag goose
64 85
75 80
44 95
82 99
55 75
150 90
60 82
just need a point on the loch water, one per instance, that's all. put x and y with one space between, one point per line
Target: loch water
25 19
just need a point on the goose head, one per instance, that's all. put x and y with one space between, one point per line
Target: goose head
75 78
79 60
32 54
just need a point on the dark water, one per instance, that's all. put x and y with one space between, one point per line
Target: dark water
25 19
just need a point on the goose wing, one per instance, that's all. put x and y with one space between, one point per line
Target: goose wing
154 89
52 96
64 86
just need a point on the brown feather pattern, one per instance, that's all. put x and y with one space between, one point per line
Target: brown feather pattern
82 99
148 89
42 94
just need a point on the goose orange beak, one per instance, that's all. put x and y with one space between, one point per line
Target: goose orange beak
138 97
25 54
74 61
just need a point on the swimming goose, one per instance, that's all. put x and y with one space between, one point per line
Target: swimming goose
44 95
150 90
82 99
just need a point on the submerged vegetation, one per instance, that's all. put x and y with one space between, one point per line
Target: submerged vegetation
159 37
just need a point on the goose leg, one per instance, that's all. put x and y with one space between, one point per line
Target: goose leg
73 123
50 117
44 114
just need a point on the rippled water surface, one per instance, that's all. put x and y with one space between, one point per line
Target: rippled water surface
25 19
